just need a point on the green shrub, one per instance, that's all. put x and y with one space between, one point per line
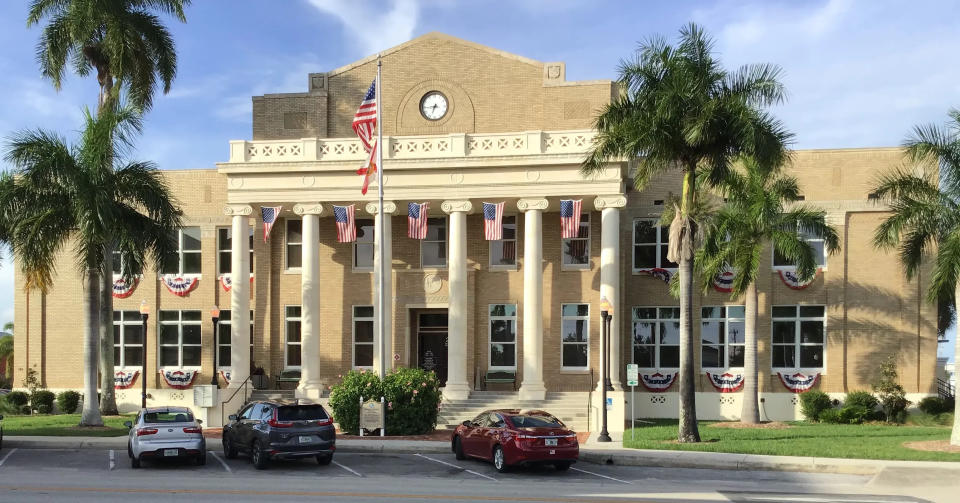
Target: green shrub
25 409
934 405
17 398
42 401
829 416
855 414
813 403
893 398
862 398
345 397
413 398
67 401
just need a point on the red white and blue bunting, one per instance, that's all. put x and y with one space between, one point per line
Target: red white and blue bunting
723 282
124 379
179 379
790 278
180 286
123 289
798 383
658 382
656 272
227 283
225 375
726 382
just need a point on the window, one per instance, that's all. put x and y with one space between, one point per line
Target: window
721 334
127 339
503 337
819 254
180 338
433 249
294 239
225 250
575 336
224 327
363 336
576 251
656 337
363 247
650 244
291 357
504 252
186 260
798 337
119 262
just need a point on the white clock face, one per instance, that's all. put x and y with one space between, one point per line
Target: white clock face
433 106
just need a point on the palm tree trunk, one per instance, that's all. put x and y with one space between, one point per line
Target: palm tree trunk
688 431
955 435
91 297
108 401
751 406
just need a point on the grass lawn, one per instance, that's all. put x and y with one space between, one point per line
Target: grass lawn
62 425
868 441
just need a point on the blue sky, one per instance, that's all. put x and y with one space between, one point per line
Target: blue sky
859 72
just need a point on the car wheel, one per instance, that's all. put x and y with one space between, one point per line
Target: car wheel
563 466
202 459
134 462
324 459
258 456
498 460
458 448
229 449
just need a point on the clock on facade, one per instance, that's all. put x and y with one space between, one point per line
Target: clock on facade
433 105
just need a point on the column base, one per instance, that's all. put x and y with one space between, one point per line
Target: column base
309 390
532 391
456 391
616 385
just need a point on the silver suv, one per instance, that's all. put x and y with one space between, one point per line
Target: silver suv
280 430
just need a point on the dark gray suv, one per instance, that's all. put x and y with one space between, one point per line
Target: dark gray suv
280 430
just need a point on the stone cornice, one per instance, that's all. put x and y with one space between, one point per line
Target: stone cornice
389 207
532 204
308 209
234 210
456 205
610 201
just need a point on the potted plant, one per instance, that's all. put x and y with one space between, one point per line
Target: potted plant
259 378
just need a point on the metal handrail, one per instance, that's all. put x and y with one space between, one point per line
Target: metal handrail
243 386
945 389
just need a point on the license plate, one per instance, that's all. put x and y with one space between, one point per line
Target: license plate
305 439
550 441
171 452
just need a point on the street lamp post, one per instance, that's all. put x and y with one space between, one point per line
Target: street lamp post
606 311
215 316
144 314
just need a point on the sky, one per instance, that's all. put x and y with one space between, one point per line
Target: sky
859 73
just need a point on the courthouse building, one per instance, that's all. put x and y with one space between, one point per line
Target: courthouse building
465 124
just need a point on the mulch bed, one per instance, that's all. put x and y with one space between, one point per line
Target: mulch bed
90 428
443 435
933 445
772 425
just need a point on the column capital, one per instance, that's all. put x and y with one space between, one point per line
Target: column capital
234 210
456 205
611 201
389 207
532 204
308 209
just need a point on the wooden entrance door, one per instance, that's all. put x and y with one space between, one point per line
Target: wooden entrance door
432 342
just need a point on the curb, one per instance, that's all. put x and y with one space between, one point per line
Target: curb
120 443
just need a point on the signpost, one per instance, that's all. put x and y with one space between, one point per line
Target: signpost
371 416
633 379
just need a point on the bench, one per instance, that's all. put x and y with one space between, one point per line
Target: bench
500 376
287 376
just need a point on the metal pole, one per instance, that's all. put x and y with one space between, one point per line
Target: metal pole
633 417
380 292
604 435
216 349
143 378
606 354
360 415
383 417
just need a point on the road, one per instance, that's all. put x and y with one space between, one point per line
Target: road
89 475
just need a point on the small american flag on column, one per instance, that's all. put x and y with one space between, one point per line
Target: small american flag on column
493 221
269 215
364 124
570 218
417 220
346 227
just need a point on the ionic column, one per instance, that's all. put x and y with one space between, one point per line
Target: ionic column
532 388
389 207
457 387
310 385
610 277
239 294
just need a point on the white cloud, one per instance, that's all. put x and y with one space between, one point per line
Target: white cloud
375 29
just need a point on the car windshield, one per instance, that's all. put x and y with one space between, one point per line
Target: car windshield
167 417
535 421
301 413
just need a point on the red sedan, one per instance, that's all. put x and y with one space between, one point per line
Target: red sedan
511 437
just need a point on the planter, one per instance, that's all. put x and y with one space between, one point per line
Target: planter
260 381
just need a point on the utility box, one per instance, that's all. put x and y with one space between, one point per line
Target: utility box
204 395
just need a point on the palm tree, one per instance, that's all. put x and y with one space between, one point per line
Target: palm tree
759 211
60 195
678 109
925 213
6 354
129 48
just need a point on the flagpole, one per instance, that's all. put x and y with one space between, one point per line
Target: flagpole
380 292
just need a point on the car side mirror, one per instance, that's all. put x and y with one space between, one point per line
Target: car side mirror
232 417
467 423
128 424
1 417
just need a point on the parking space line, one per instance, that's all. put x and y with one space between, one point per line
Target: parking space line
602 476
222 462
347 468
4 460
455 466
113 460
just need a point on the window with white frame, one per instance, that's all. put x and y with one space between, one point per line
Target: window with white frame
650 244
127 339
433 248
503 337
721 337
363 337
575 335
819 253
225 250
503 253
798 337
180 338
656 337
576 251
291 354
186 260
363 247
119 263
224 329
294 243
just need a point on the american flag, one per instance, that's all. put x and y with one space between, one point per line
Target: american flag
269 214
569 218
493 221
365 124
417 220
346 227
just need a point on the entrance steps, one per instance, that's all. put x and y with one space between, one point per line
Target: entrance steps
573 408
272 394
